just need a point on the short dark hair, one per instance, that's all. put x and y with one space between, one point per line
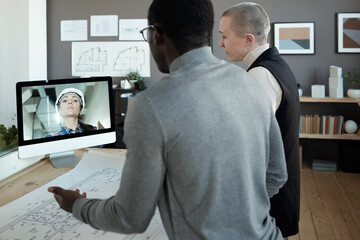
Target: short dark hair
188 23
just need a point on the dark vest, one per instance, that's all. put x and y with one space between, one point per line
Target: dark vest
86 127
285 205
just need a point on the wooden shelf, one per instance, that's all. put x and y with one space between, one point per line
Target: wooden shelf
330 100
328 136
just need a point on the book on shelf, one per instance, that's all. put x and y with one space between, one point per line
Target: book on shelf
340 125
327 124
332 169
331 125
335 125
324 165
321 124
323 127
318 121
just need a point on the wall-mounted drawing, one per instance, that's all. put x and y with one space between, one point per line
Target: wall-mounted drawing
129 59
129 29
73 30
104 25
348 32
115 59
91 60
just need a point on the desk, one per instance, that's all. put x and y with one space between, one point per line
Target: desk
37 175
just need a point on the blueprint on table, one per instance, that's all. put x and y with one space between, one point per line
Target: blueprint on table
38 216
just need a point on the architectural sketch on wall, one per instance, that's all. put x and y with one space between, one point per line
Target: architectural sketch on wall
130 59
115 59
103 25
92 60
129 29
73 30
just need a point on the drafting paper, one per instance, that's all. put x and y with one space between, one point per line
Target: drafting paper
38 216
73 30
129 29
114 59
104 25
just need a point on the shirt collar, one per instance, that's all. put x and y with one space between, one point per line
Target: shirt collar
191 58
69 130
254 54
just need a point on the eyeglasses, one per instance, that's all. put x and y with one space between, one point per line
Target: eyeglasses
145 32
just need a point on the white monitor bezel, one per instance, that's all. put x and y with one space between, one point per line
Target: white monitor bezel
43 146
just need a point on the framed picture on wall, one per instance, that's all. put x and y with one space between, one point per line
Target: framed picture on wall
348 32
295 38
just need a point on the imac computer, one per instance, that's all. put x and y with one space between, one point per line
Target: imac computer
56 117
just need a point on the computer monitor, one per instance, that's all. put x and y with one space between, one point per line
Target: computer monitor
58 116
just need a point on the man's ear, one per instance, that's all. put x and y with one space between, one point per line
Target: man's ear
250 39
158 36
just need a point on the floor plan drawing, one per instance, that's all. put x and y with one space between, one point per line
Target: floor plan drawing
115 59
38 216
92 60
130 59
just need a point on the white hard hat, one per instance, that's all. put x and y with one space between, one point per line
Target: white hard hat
74 91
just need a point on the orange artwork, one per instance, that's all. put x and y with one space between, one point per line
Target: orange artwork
294 33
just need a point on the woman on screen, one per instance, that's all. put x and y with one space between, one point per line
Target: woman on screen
69 105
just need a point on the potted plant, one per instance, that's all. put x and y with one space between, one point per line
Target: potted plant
8 139
136 79
353 78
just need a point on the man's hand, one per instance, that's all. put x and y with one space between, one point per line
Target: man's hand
66 198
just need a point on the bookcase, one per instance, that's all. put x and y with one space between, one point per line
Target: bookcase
328 100
342 149
121 100
121 103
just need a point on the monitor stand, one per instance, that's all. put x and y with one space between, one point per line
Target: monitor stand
64 159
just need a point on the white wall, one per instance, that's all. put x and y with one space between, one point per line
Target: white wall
22 50
37 40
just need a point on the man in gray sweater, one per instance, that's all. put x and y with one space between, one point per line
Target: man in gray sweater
197 148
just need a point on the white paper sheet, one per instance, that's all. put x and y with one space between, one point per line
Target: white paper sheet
73 30
104 25
114 59
38 216
129 29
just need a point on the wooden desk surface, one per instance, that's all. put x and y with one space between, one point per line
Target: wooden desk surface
37 175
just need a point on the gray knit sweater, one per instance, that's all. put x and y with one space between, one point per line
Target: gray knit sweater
203 146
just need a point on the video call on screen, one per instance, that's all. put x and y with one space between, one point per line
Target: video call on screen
41 117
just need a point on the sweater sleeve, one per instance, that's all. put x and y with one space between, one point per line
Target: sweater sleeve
276 174
133 206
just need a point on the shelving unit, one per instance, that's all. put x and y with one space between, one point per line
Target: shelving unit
307 99
328 136
330 100
121 103
342 149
